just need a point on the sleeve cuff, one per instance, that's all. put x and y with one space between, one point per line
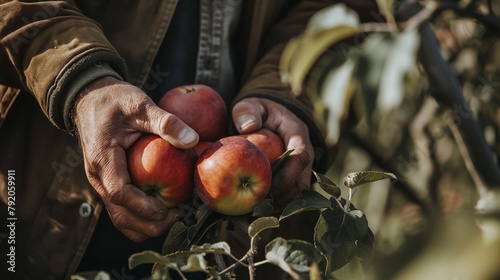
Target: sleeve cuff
85 78
85 70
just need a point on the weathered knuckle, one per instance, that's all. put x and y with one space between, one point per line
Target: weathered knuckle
116 196
168 123
136 107
120 220
144 211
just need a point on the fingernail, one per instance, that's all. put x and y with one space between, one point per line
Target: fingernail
245 121
187 136
159 216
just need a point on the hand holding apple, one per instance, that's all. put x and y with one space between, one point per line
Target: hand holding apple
251 114
200 107
232 175
107 126
269 142
161 170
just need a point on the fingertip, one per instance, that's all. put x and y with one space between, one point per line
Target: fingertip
188 137
247 115
246 124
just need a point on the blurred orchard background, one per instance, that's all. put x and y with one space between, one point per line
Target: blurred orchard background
441 218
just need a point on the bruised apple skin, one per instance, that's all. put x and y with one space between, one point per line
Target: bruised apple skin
232 175
200 107
161 170
268 141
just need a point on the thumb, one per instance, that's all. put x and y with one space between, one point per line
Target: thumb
248 115
168 127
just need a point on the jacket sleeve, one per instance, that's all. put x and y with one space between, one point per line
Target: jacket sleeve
51 50
264 80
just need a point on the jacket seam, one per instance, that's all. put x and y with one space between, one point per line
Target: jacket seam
156 42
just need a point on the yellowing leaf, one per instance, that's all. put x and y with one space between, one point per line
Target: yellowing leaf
311 48
327 185
261 224
355 179
195 262
324 29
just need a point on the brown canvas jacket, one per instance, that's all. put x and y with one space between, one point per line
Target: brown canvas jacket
44 48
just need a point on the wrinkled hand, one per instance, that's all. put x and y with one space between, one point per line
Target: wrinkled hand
294 176
110 115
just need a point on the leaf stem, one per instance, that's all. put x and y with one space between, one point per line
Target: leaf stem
180 272
233 266
260 263
422 16
348 200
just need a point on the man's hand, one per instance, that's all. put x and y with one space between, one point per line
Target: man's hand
294 176
110 116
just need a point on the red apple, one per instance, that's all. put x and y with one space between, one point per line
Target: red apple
161 170
232 175
201 146
269 142
200 107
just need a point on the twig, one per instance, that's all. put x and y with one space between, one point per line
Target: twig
422 141
253 250
491 21
233 266
462 147
448 92
219 259
384 164
180 272
260 263
424 15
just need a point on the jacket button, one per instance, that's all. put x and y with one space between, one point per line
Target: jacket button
85 210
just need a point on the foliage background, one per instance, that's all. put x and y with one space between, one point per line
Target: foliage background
426 225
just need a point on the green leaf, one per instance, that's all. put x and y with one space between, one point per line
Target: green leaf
402 60
91 275
277 163
261 224
195 262
264 208
293 256
327 185
182 257
324 29
365 245
336 91
176 239
161 274
355 179
360 221
311 200
336 235
182 237
146 257
217 248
